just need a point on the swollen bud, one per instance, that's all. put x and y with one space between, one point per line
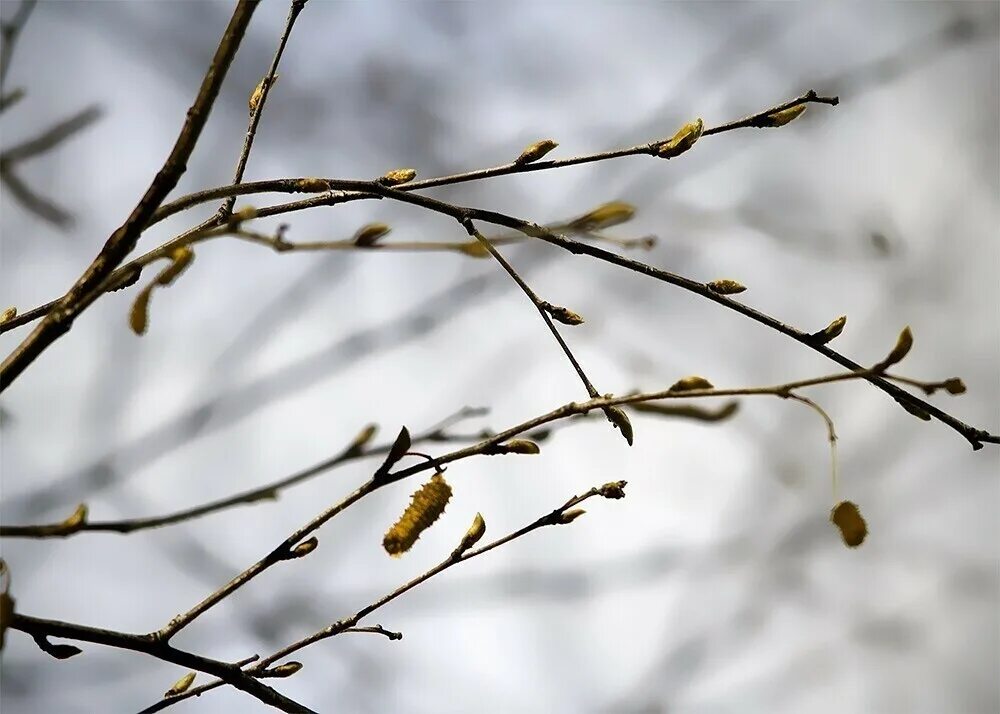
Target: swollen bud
305 547
398 176
570 516
830 332
620 420
725 286
472 536
284 670
368 235
688 384
604 216
535 151
683 140
902 347
784 116
181 685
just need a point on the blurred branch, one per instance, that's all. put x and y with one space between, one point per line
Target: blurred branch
10 32
124 239
51 138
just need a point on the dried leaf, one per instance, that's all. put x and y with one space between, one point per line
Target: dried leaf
426 506
853 529
398 450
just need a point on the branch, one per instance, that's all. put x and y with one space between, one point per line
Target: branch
354 451
10 32
230 674
563 515
123 240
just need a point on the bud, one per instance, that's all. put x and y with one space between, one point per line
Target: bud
535 151
312 185
246 213
305 547
688 384
903 345
521 446
181 685
7 315
425 507
369 234
620 420
604 216
725 286
77 519
398 176
914 410
285 670
570 516
562 314
474 249
258 93
831 331
363 437
683 140
472 536
847 518
613 489
784 116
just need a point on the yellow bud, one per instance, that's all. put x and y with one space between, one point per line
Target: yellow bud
831 331
7 315
363 437
853 529
77 519
305 547
570 516
521 446
246 213
258 92
181 685
472 536
562 314
784 116
474 249
368 235
902 347
688 384
725 286
604 216
285 670
398 176
535 151
312 185
683 140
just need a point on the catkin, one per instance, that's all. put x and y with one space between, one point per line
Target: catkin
426 507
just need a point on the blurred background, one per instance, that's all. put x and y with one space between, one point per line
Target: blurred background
718 585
